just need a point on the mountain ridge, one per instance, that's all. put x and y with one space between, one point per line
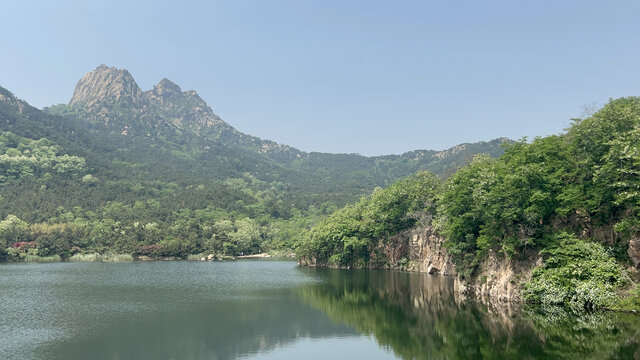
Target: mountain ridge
119 157
111 95
109 101
99 96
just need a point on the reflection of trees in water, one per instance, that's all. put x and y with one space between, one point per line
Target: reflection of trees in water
221 330
419 316
598 335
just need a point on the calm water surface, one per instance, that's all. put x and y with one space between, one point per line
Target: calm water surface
276 310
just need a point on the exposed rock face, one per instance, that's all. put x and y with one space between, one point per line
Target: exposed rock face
166 105
499 278
184 109
165 92
427 252
111 96
421 245
634 251
107 84
454 150
100 90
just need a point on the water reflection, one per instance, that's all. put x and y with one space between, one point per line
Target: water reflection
170 310
419 316
260 309
224 330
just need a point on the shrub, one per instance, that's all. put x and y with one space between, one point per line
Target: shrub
577 273
631 301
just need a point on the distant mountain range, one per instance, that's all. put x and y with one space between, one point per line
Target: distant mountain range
166 134
111 97
116 157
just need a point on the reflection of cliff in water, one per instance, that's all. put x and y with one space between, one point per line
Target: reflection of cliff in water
223 330
419 316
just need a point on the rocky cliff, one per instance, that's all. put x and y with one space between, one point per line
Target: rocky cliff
421 249
634 251
107 84
418 249
111 96
499 278
421 246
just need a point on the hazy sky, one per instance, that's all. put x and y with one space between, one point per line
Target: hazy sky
369 77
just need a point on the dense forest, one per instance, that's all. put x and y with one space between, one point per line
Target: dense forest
573 198
157 174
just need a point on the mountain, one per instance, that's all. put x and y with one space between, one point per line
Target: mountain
91 173
110 96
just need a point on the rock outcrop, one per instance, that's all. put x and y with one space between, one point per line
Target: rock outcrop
427 252
185 109
421 249
165 92
634 251
499 278
111 96
8 99
421 246
107 84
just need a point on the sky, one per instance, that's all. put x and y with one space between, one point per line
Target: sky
368 77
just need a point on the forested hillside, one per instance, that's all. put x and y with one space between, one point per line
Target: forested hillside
157 173
573 199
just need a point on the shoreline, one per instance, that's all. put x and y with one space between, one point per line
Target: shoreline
121 258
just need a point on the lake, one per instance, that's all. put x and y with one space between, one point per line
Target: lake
269 309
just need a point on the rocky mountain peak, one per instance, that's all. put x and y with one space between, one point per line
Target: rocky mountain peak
108 84
164 92
111 96
193 96
168 86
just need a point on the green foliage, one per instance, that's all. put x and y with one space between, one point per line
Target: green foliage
630 301
604 161
505 204
584 179
584 182
12 230
165 185
21 157
347 236
418 317
577 273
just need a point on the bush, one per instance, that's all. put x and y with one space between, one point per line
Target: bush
631 301
577 273
347 236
